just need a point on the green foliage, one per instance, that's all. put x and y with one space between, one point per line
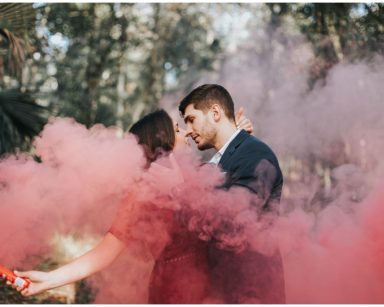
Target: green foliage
341 32
117 56
84 293
11 296
20 117
110 63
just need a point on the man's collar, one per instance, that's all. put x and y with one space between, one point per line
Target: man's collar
216 158
240 137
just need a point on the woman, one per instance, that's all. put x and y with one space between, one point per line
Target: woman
180 274
183 256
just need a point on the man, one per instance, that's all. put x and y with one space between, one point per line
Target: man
248 276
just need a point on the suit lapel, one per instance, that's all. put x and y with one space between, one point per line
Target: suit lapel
231 149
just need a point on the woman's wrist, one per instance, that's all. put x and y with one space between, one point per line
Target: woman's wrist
53 280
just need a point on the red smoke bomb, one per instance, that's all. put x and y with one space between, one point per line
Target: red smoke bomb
11 277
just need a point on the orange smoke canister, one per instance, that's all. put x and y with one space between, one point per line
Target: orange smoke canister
11 277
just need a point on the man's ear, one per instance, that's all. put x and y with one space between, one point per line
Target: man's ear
216 112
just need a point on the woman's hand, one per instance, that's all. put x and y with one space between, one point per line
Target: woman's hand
39 282
243 122
91 262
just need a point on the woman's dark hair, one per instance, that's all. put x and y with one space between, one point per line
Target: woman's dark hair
155 132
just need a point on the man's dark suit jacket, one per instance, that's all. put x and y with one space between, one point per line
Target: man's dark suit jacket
250 163
249 276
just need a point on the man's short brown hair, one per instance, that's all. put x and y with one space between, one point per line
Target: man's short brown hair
204 96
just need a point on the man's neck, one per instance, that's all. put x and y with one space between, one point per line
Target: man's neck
224 133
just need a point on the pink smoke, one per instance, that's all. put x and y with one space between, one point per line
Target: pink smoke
334 257
78 184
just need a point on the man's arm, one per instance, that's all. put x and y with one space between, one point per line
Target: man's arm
259 178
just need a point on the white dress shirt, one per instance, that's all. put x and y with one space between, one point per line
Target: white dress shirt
217 156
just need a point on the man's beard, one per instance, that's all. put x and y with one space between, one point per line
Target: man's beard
209 136
204 146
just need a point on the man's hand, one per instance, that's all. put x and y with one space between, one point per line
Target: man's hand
243 122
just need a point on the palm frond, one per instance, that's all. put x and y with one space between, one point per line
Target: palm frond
16 48
17 17
20 119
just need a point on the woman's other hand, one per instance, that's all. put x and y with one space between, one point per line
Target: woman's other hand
243 122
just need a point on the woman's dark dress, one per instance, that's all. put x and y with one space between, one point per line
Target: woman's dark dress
180 274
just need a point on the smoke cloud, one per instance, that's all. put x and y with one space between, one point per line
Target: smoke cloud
334 256
82 175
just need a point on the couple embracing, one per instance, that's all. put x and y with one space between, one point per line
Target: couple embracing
224 276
